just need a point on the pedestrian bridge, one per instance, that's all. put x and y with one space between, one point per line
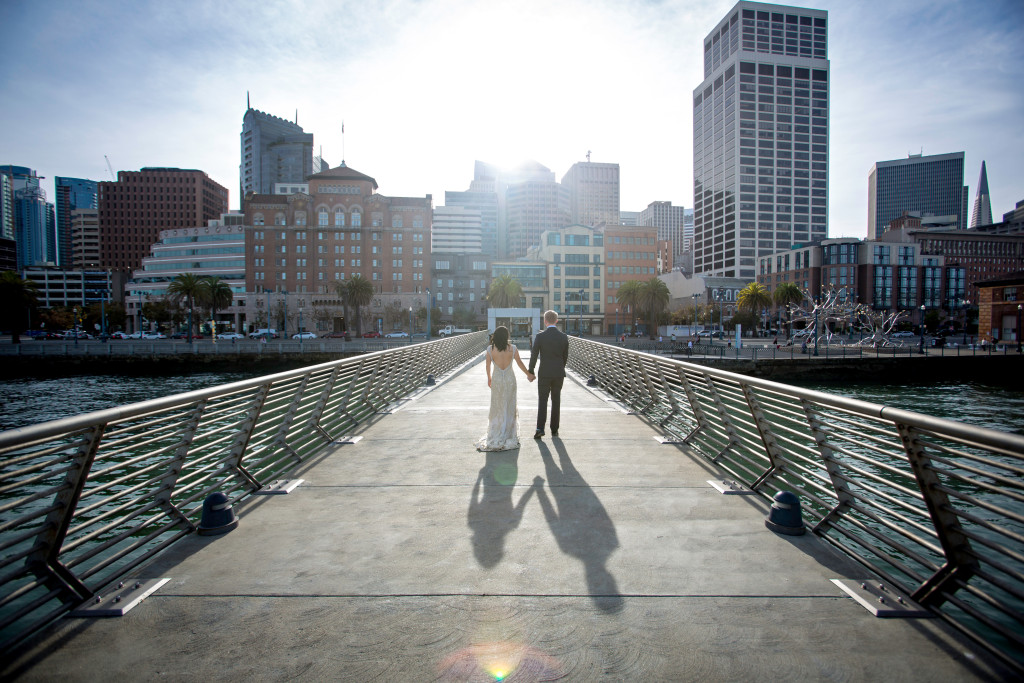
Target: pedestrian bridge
400 552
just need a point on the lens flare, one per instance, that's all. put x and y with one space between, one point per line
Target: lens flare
499 661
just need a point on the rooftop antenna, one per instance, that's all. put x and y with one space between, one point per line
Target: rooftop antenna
247 105
110 169
296 116
343 142
588 156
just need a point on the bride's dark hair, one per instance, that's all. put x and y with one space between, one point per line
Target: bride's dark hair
500 338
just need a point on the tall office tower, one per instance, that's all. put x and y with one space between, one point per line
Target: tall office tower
629 218
456 230
85 238
134 209
532 207
72 193
530 201
670 222
482 199
982 214
6 205
927 185
31 217
760 168
273 151
593 192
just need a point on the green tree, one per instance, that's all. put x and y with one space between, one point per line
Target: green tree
360 293
628 294
216 295
505 292
17 298
753 299
190 287
786 295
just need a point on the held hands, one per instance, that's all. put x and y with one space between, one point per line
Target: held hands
530 376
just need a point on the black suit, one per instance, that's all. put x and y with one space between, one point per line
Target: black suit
551 348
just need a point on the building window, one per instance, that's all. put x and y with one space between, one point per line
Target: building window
339 219
322 220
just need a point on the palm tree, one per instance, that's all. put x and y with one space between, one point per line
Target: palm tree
17 296
217 295
754 298
505 292
188 286
341 287
360 293
785 294
628 294
653 300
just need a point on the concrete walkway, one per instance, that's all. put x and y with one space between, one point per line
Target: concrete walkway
407 556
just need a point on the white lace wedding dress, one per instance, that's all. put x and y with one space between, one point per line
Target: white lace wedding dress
503 419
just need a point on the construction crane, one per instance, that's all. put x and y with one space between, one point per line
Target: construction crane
110 168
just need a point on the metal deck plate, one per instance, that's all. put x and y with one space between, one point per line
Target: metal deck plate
349 440
278 487
117 599
881 599
730 488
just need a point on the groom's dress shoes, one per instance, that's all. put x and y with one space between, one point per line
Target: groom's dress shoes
554 432
538 434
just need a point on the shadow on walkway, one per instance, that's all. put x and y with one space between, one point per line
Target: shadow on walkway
491 514
580 525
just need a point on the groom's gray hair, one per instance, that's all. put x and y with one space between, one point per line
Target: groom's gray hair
550 317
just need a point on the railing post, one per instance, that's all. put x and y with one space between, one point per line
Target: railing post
245 433
831 466
321 405
961 563
44 561
764 429
177 464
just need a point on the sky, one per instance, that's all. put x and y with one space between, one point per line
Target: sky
426 87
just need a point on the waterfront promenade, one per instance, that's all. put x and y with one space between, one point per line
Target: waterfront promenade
600 554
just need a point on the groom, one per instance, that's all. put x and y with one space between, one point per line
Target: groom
551 347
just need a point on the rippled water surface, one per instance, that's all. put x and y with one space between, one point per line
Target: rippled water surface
977 404
28 401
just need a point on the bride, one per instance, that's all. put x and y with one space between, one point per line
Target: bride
503 419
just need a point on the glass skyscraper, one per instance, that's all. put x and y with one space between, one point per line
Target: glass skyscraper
760 137
929 185
72 193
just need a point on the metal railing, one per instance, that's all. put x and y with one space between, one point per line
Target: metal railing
935 507
85 499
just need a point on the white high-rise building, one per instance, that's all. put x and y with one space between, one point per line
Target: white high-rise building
760 130
671 224
593 193
456 230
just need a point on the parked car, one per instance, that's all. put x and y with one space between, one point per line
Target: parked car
154 335
231 335
396 335
119 335
902 333
134 335
338 335
304 335
419 335
371 334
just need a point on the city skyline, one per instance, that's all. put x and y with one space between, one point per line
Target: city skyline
426 88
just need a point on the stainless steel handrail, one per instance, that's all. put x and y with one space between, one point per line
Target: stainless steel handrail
934 506
85 499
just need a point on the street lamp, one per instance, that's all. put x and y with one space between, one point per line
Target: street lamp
922 329
964 304
284 335
301 338
580 330
696 308
1018 327
76 325
430 304
410 325
817 334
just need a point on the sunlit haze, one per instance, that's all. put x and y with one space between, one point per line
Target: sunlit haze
425 88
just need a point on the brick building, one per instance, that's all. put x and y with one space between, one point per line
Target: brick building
134 209
300 245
